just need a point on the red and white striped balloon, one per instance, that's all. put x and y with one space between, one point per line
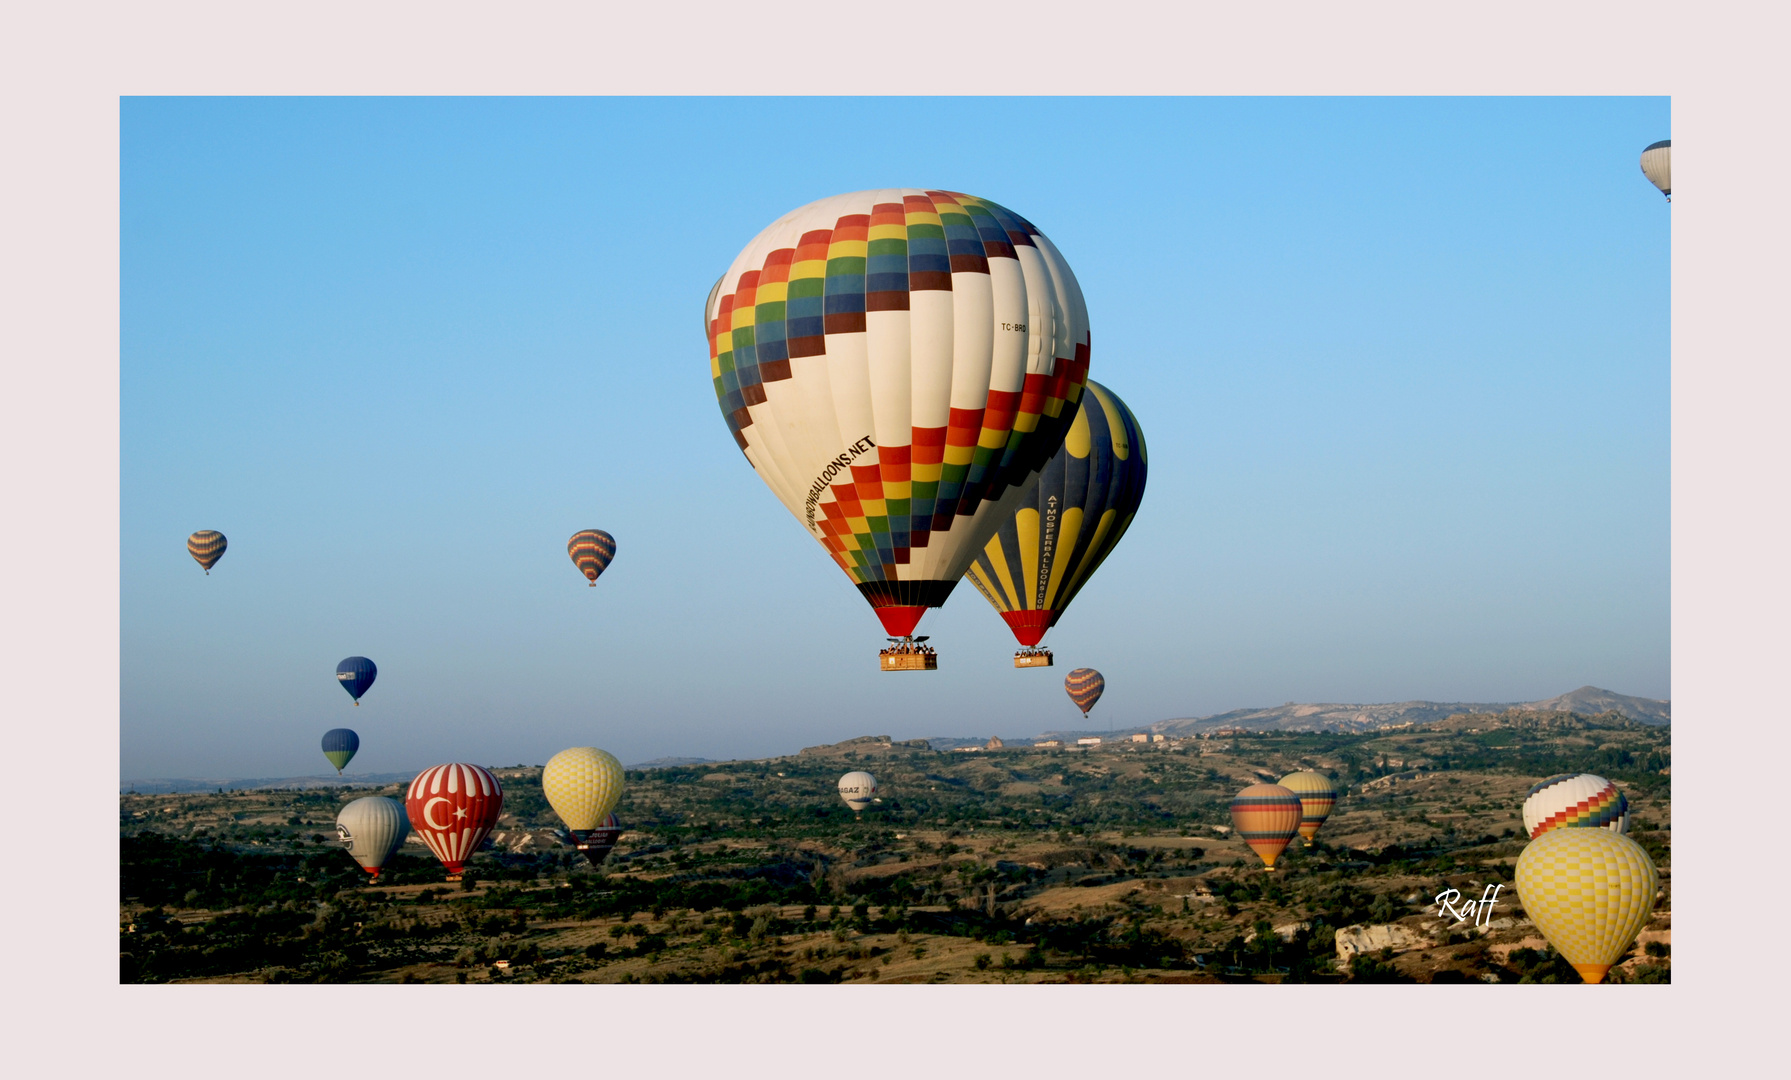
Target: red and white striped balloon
453 807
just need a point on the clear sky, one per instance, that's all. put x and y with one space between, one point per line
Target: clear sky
1402 365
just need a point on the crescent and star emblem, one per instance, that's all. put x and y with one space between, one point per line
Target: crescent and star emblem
429 814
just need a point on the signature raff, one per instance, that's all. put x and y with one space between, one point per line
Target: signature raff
1479 910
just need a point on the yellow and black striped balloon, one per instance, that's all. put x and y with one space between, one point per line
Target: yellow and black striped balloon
206 547
1073 512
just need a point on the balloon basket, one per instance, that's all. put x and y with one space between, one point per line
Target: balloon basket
453 878
893 660
1033 658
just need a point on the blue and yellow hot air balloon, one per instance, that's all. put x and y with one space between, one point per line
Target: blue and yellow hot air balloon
1074 510
356 674
591 551
339 745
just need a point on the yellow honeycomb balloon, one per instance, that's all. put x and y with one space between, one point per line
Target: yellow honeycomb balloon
582 785
1590 892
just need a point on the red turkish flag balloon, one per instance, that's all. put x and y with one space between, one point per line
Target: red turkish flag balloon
452 807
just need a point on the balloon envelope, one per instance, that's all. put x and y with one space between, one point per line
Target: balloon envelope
1317 796
597 843
206 547
1071 514
453 807
1657 166
1575 801
1267 817
339 745
1590 892
893 363
591 551
373 828
858 789
1084 685
356 674
582 784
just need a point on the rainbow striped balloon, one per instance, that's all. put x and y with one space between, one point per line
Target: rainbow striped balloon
591 551
1575 801
1266 816
1084 685
894 363
1317 796
206 547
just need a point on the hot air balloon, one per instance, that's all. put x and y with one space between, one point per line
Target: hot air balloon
1317 794
339 745
1071 514
372 828
858 789
1266 816
583 784
453 807
1590 892
206 547
591 551
1575 800
597 843
1657 166
356 674
1084 685
893 363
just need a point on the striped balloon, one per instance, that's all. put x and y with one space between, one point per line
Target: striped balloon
356 675
206 547
1084 685
453 807
591 551
1575 801
1317 796
1590 892
1072 514
373 828
894 363
1267 817
340 745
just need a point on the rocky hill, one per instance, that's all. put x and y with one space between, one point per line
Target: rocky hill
1587 700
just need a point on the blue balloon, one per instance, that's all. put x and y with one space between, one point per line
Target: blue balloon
339 745
356 674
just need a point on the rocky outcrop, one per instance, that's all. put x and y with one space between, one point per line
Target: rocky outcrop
1353 940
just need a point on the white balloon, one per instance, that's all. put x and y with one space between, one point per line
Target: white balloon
373 828
1657 166
858 789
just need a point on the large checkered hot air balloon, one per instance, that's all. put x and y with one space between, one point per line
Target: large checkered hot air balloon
453 807
583 784
893 363
591 551
1590 892
1071 514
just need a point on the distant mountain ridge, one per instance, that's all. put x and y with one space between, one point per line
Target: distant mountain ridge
1587 700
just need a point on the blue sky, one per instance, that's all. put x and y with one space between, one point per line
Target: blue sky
1402 365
